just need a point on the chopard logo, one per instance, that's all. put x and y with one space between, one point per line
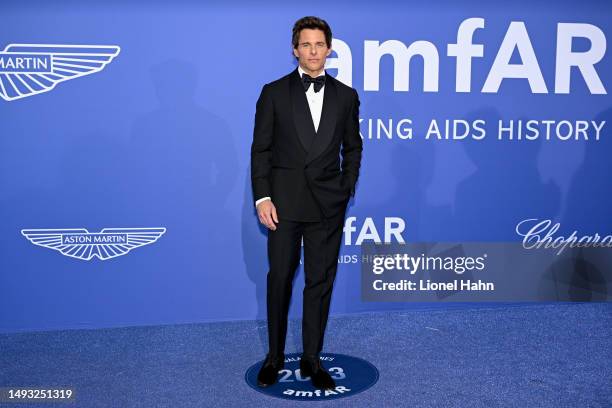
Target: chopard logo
82 244
538 234
30 69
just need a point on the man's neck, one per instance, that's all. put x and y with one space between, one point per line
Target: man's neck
313 74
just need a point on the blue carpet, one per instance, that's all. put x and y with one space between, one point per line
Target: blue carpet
552 355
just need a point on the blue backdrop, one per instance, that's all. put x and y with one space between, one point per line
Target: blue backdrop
160 138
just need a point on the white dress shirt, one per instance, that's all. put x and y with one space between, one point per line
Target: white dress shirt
315 100
315 103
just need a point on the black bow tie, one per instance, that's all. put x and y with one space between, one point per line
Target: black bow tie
318 82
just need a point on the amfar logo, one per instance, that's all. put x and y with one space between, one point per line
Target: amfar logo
392 229
466 52
82 244
30 69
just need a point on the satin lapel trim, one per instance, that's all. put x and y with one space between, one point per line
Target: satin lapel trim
301 111
327 125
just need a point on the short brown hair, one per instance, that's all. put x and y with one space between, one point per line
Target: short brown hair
311 22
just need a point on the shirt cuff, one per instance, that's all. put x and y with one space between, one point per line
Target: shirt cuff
261 200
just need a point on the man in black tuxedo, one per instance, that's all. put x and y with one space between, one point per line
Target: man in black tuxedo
303 122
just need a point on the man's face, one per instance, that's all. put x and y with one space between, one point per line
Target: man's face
312 51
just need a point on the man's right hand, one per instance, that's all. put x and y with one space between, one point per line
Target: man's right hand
267 214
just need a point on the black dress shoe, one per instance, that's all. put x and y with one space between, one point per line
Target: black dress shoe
319 376
268 374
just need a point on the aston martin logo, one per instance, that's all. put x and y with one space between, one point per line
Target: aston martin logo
30 69
82 244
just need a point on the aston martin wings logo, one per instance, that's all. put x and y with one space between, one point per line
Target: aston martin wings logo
30 69
82 244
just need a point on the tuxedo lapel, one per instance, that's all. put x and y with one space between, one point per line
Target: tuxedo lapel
314 142
327 125
301 111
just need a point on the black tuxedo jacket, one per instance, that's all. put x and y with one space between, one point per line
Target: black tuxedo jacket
300 169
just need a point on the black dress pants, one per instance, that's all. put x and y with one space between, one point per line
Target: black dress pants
321 247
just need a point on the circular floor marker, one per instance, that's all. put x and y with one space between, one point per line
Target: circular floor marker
351 374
